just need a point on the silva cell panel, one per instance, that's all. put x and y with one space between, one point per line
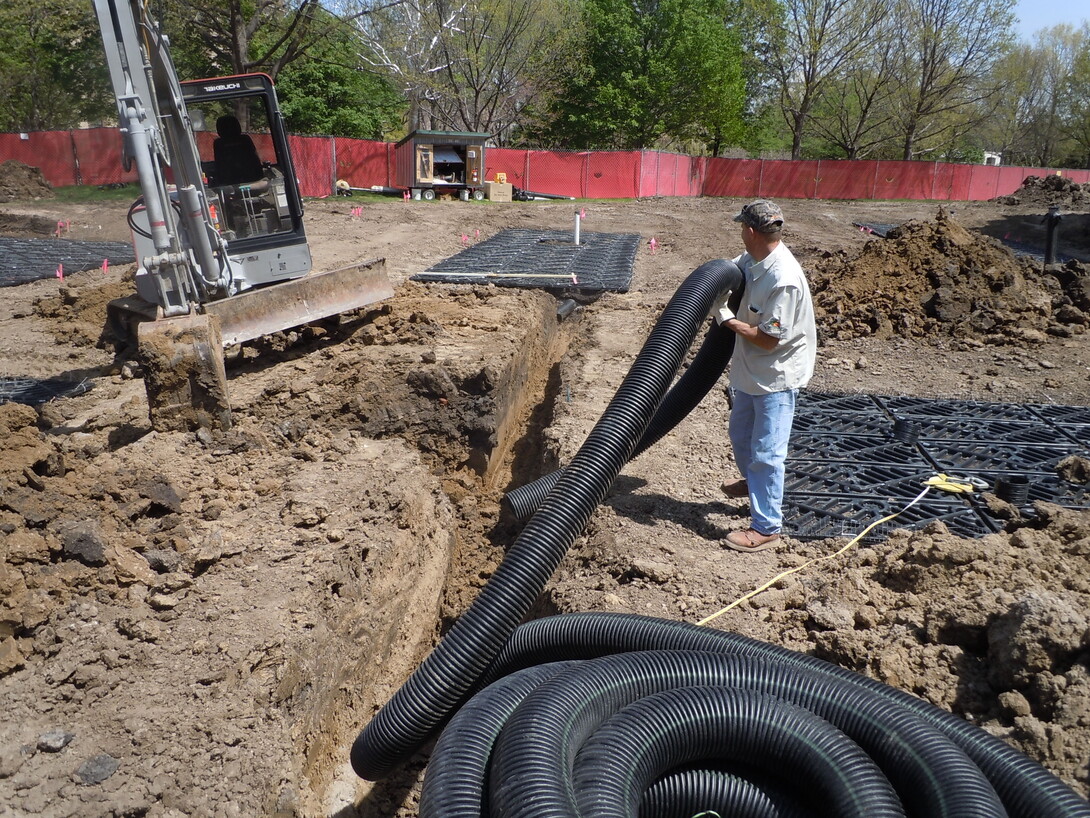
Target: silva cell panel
854 459
543 259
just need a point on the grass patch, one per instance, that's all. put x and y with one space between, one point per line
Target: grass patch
95 194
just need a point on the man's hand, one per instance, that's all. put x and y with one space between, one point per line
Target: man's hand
723 313
752 334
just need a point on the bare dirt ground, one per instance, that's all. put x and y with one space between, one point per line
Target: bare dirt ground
199 624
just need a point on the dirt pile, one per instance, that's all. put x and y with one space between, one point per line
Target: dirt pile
1049 191
79 307
20 181
935 278
17 225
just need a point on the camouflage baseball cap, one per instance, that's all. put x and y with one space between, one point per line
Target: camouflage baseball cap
762 215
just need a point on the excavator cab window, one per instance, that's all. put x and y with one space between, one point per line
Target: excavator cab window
244 156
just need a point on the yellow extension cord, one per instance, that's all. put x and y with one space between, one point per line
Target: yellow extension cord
942 482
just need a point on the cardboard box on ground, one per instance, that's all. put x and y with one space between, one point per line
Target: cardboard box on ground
498 191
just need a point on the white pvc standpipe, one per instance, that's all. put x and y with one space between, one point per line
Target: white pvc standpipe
577 227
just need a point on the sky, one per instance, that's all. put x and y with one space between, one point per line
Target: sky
1033 15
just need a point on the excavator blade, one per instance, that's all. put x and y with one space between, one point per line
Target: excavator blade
281 306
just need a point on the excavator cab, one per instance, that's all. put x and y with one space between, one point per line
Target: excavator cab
252 189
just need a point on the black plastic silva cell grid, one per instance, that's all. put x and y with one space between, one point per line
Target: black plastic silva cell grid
824 422
543 259
23 260
35 391
897 483
957 456
1052 413
828 402
982 410
812 516
854 459
853 449
985 430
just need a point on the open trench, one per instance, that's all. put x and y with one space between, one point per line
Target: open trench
385 626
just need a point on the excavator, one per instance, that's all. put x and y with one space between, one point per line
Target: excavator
218 231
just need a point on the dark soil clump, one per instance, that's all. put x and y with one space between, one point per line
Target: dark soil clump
21 181
1051 191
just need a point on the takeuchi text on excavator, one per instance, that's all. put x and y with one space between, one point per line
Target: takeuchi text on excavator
218 228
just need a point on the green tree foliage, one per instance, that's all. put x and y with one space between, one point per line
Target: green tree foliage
52 73
328 93
1077 118
243 36
653 74
810 45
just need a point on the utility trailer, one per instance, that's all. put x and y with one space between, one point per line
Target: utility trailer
430 163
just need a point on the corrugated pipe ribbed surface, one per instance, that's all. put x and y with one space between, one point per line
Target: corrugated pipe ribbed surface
610 715
439 684
1023 787
695 382
554 753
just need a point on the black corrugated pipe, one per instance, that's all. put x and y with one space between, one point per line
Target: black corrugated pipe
456 782
1026 789
437 686
551 726
695 382
687 792
682 725
542 741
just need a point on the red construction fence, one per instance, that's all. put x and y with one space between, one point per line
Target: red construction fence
92 157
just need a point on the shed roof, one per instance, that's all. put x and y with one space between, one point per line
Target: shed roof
439 136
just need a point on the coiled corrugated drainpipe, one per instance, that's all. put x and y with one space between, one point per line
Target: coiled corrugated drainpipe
439 684
939 764
936 763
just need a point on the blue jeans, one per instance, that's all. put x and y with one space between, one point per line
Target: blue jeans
760 428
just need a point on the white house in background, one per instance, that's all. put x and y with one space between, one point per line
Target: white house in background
993 158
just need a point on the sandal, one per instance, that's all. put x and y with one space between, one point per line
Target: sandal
751 540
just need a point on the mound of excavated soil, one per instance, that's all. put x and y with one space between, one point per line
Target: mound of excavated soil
79 308
935 278
1051 191
20 181
17 225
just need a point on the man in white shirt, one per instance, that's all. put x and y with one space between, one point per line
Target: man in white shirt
773 359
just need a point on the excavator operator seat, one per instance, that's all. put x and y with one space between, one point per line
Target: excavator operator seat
236 159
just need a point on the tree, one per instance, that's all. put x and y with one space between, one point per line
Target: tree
1077 117
945 76
246 36
653 74
52 74
328 92
808 44
469 64
492 53
852 112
